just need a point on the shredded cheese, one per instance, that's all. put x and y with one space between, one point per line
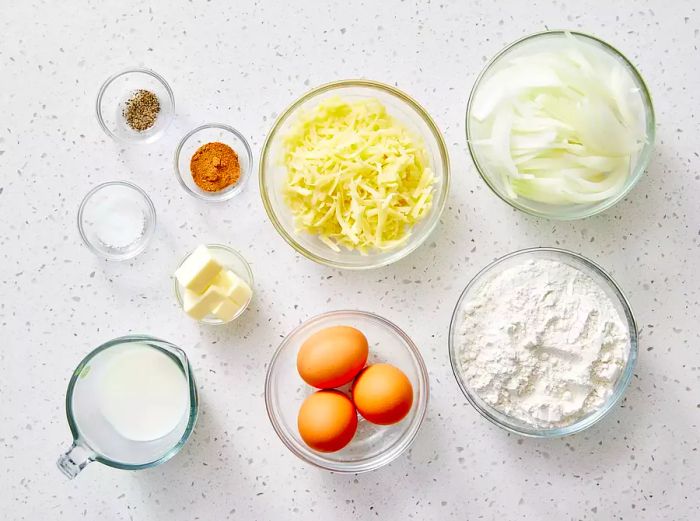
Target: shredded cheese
356 177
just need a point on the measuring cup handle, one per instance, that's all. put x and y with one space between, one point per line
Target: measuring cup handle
75 460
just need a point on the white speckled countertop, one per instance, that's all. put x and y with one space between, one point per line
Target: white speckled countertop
242 65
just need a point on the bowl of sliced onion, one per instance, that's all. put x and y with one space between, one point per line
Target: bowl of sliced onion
354 174
560 125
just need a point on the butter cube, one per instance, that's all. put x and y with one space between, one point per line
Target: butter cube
199 306
234 287
226 310
198 271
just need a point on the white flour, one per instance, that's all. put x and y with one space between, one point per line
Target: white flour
543 343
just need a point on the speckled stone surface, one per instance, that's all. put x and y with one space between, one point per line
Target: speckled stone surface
242 65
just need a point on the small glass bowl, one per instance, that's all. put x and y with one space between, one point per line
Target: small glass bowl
561 212
229 259
116 220
273 173
373 445
209 133
606 283
117 90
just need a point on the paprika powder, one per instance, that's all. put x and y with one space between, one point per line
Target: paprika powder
215 166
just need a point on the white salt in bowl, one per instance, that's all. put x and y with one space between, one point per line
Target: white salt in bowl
116 220
604 281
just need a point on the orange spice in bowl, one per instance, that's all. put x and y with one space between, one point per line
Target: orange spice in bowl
215 166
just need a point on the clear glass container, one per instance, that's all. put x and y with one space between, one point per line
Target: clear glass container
606 283
118 89
95 438
116 220
373 445
229 259
273 173
492 176
212 132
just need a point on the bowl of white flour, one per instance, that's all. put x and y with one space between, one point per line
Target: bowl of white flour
543 342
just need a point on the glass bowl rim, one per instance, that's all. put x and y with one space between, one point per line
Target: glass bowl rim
193 394
248 270
146 238
215 197
623 380
392 452
644 156
108 82
441 202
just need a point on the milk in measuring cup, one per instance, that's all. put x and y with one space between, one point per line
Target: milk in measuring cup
142 392
131 404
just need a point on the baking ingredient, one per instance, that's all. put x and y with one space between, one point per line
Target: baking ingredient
201 305
332 356
383 394
327 421
560 120
141 110
215 166
198 270
207 288
225 297
118 219
142 392
233 287
356 177
226 310
542 343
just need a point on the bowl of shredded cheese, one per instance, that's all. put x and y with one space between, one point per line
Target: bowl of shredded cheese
354 174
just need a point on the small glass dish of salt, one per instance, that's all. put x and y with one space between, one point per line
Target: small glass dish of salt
116 220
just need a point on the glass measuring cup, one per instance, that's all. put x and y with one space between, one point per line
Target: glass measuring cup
102 422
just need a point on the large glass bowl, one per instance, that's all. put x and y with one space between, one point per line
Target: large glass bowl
273 172
606 283
492 176
373 445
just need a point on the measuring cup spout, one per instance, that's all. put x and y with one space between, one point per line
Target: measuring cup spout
75 460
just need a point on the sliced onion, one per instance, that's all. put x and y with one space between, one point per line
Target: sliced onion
562 125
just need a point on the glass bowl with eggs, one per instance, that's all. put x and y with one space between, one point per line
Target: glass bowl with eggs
347 391
354 174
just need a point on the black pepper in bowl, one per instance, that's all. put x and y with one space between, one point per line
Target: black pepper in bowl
141 110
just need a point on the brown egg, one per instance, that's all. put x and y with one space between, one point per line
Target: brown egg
332 356
382 394
327 421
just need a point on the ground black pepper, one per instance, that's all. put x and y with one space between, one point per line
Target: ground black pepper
141 110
